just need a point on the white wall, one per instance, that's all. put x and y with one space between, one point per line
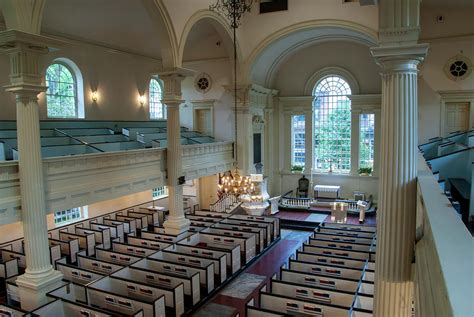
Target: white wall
220 72
292 76
15 230
446 41
118 78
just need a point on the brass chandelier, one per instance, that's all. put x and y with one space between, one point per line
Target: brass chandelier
232 182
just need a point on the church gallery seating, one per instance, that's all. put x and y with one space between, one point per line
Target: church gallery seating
125 264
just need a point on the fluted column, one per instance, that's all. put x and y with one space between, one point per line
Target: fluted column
397 186
176 222
40 277
355 136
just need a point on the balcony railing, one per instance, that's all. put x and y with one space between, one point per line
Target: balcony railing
79 180
444 253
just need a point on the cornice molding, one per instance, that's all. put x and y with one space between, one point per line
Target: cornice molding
456 94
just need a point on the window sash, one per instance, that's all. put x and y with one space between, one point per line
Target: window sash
61 95
298 140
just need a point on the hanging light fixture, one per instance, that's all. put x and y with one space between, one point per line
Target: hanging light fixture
232 182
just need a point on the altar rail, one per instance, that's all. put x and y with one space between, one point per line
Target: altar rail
85 179
443 252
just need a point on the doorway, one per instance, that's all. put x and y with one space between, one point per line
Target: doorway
457 117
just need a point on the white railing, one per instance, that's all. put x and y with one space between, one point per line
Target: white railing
444 253
226 203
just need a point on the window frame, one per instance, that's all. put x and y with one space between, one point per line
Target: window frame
82 211
155 192
359 132
163 107
293 141
349 91
75 89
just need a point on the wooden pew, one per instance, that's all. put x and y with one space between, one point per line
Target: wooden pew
339 238
113 294
147 243
174 295
362 255
260 232
247 241
141 221
97 265
132 249
102 236
154 274
170 264
68 248
128 225
318 280
9 311
275 222
116 257
340 245
348 227
331 260
217 257
64 308
86 241
324 269
298 307
158 234
210 244
116 229
267 227
312 294
160 211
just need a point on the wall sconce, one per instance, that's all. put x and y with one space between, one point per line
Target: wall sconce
141 99
95 96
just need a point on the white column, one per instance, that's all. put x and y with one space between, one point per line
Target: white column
176 221
355 135
397 186
39 277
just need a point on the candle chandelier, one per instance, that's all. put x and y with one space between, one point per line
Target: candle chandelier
232 182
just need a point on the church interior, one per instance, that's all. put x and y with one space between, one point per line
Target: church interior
236 158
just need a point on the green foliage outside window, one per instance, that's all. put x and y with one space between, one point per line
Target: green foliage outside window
61 94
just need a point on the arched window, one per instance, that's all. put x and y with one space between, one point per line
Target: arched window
61 96
157 109
332 124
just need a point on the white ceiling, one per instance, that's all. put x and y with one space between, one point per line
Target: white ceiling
201 43
123 24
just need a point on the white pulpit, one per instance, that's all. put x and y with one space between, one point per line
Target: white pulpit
256 203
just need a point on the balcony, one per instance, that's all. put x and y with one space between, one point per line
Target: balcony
79 180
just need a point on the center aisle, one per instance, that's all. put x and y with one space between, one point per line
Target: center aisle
232 299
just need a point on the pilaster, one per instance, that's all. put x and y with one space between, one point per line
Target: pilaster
397 186
176 222
24 51
309 141
355 135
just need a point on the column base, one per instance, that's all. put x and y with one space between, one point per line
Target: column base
176 225
393 299
32 287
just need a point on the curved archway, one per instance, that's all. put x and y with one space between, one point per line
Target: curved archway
221 27
262 62
167 35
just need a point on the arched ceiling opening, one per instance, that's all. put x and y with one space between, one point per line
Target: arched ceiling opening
206 35
263 64
134 26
